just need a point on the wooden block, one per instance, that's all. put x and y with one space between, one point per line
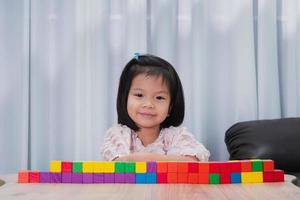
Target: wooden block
278 175
172 177
268 165
120 178
182 177
66 177
203 178
98 177
162 178
225 178
140 167
87 178
130 178
214 178
140 178
151 178
55 177
182 167
119 167
23 177
214 167
108 167
235 166
34 177
257 165
268 176
203 167
77 167
162 167
45 177
172 167
88 167
109 178
55 166
193 178
246 177
224 167
77 177
246 166
193 167
129 167
151 167
257 177
98 167
235 177
66 166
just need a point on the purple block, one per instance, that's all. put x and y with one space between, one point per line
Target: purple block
129 177
55 177
87 178
151 167
98 178
45 177
109 178
66 177
119 178
76 177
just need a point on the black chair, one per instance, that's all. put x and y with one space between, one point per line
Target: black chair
277 139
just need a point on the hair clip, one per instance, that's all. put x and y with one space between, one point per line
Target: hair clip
136 56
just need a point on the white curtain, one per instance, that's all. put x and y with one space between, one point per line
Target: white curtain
60 61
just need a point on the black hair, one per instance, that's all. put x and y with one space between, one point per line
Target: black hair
151 66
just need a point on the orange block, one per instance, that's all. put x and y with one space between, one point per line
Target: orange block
161 167
268 165
182 167
172 167
182 177
193 178
172 178
246 166
23 177
203 167
203 178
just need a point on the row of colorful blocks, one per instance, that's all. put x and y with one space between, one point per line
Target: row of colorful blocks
190 178
162 167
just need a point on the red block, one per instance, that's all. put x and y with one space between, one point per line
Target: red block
193 178
268 165
214 167
172 178
66 166
193 167
268 176
182 177
172 167
34 177
278 175
182 167
203 178
203 167
225 178
235 166
23 177
161 177
246 166
224 167
161 167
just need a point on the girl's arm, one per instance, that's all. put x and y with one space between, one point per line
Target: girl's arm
155 157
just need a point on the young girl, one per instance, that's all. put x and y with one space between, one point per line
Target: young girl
150 107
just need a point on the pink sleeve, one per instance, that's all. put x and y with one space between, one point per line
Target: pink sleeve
116 143
184 143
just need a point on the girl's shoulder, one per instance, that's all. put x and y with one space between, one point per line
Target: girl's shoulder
119 129
175 131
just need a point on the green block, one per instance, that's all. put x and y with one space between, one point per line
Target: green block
119 167
77 167
130 167
257 165
214 178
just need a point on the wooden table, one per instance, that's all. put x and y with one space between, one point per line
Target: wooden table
13 190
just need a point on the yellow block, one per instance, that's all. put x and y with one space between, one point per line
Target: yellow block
140 167
55 166
257 177
99 167
247 177
88 167
108 167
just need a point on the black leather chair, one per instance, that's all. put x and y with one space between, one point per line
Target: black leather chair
277 139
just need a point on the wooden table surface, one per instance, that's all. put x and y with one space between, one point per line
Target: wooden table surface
13 190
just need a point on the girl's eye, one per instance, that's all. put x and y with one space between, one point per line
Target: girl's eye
160 98
138 95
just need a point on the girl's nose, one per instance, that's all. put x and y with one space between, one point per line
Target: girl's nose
148 104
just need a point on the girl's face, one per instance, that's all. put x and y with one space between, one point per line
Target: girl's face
148 101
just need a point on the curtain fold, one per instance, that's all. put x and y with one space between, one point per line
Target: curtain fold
60 63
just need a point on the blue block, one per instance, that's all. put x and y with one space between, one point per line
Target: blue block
235 177
151 178
140 178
